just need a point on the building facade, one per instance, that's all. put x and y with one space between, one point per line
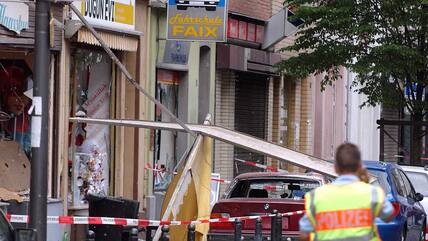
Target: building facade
102 159
182 77
315 122
247 86
17 29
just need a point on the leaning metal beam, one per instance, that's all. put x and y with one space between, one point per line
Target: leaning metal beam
232 137
126 72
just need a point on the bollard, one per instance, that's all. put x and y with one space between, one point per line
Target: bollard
90 236
149 233
273 227
238 230
258 235
133 234
278 224
165 233
191 232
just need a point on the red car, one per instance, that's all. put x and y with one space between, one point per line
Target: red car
259 194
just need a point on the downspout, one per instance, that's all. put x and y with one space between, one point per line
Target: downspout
333 122
348 106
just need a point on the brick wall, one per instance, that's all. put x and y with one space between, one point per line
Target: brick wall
306 117
270 110
225 117
259 9
293 90
276 110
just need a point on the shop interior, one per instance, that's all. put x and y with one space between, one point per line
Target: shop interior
16 86
15 100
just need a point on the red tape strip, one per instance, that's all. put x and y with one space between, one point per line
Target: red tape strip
135 222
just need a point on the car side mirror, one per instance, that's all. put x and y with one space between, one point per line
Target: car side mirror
25 234
419 197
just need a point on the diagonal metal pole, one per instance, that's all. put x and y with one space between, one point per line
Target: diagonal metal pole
126 72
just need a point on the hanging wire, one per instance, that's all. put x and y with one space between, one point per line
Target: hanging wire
4 116
2 66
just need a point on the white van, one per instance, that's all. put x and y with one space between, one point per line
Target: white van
419 178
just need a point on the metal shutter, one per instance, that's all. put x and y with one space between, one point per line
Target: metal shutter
392 135
251 110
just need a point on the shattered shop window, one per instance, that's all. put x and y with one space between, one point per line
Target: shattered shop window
93 78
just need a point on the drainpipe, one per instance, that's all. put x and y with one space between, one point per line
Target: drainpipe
348 106
333 121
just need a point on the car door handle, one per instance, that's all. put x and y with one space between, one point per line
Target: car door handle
255 214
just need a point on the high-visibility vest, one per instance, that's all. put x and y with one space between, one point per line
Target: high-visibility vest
344 212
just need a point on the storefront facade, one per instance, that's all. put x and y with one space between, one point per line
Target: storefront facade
17 27
101 159
247 92
182 77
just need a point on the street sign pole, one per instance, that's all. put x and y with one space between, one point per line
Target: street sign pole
39 122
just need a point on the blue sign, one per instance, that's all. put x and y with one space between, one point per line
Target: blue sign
14 16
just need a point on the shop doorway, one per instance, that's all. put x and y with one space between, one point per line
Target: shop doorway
170 92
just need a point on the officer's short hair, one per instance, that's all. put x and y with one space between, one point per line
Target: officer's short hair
348 157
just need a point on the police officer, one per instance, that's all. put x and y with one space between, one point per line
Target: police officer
345 210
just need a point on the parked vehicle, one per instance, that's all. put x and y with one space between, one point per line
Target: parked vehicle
410 222
259 194
419 178
209 5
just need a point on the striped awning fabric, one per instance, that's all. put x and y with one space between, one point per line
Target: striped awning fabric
117 41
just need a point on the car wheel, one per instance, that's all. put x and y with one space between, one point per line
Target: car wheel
423 233
403 234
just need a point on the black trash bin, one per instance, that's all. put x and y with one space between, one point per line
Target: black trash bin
105 206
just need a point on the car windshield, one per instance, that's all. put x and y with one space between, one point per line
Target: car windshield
419 181
5 231
278 188
381 180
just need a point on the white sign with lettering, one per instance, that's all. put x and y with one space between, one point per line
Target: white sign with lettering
14 16
119 14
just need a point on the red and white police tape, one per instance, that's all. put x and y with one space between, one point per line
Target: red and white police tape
136 222
264 167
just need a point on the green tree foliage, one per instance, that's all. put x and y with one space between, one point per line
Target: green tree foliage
385 42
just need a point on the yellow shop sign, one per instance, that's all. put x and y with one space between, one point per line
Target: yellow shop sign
109 13
197 27
197 20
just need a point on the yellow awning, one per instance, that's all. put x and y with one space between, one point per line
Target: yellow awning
115 41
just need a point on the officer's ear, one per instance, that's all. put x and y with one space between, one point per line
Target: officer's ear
336 169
